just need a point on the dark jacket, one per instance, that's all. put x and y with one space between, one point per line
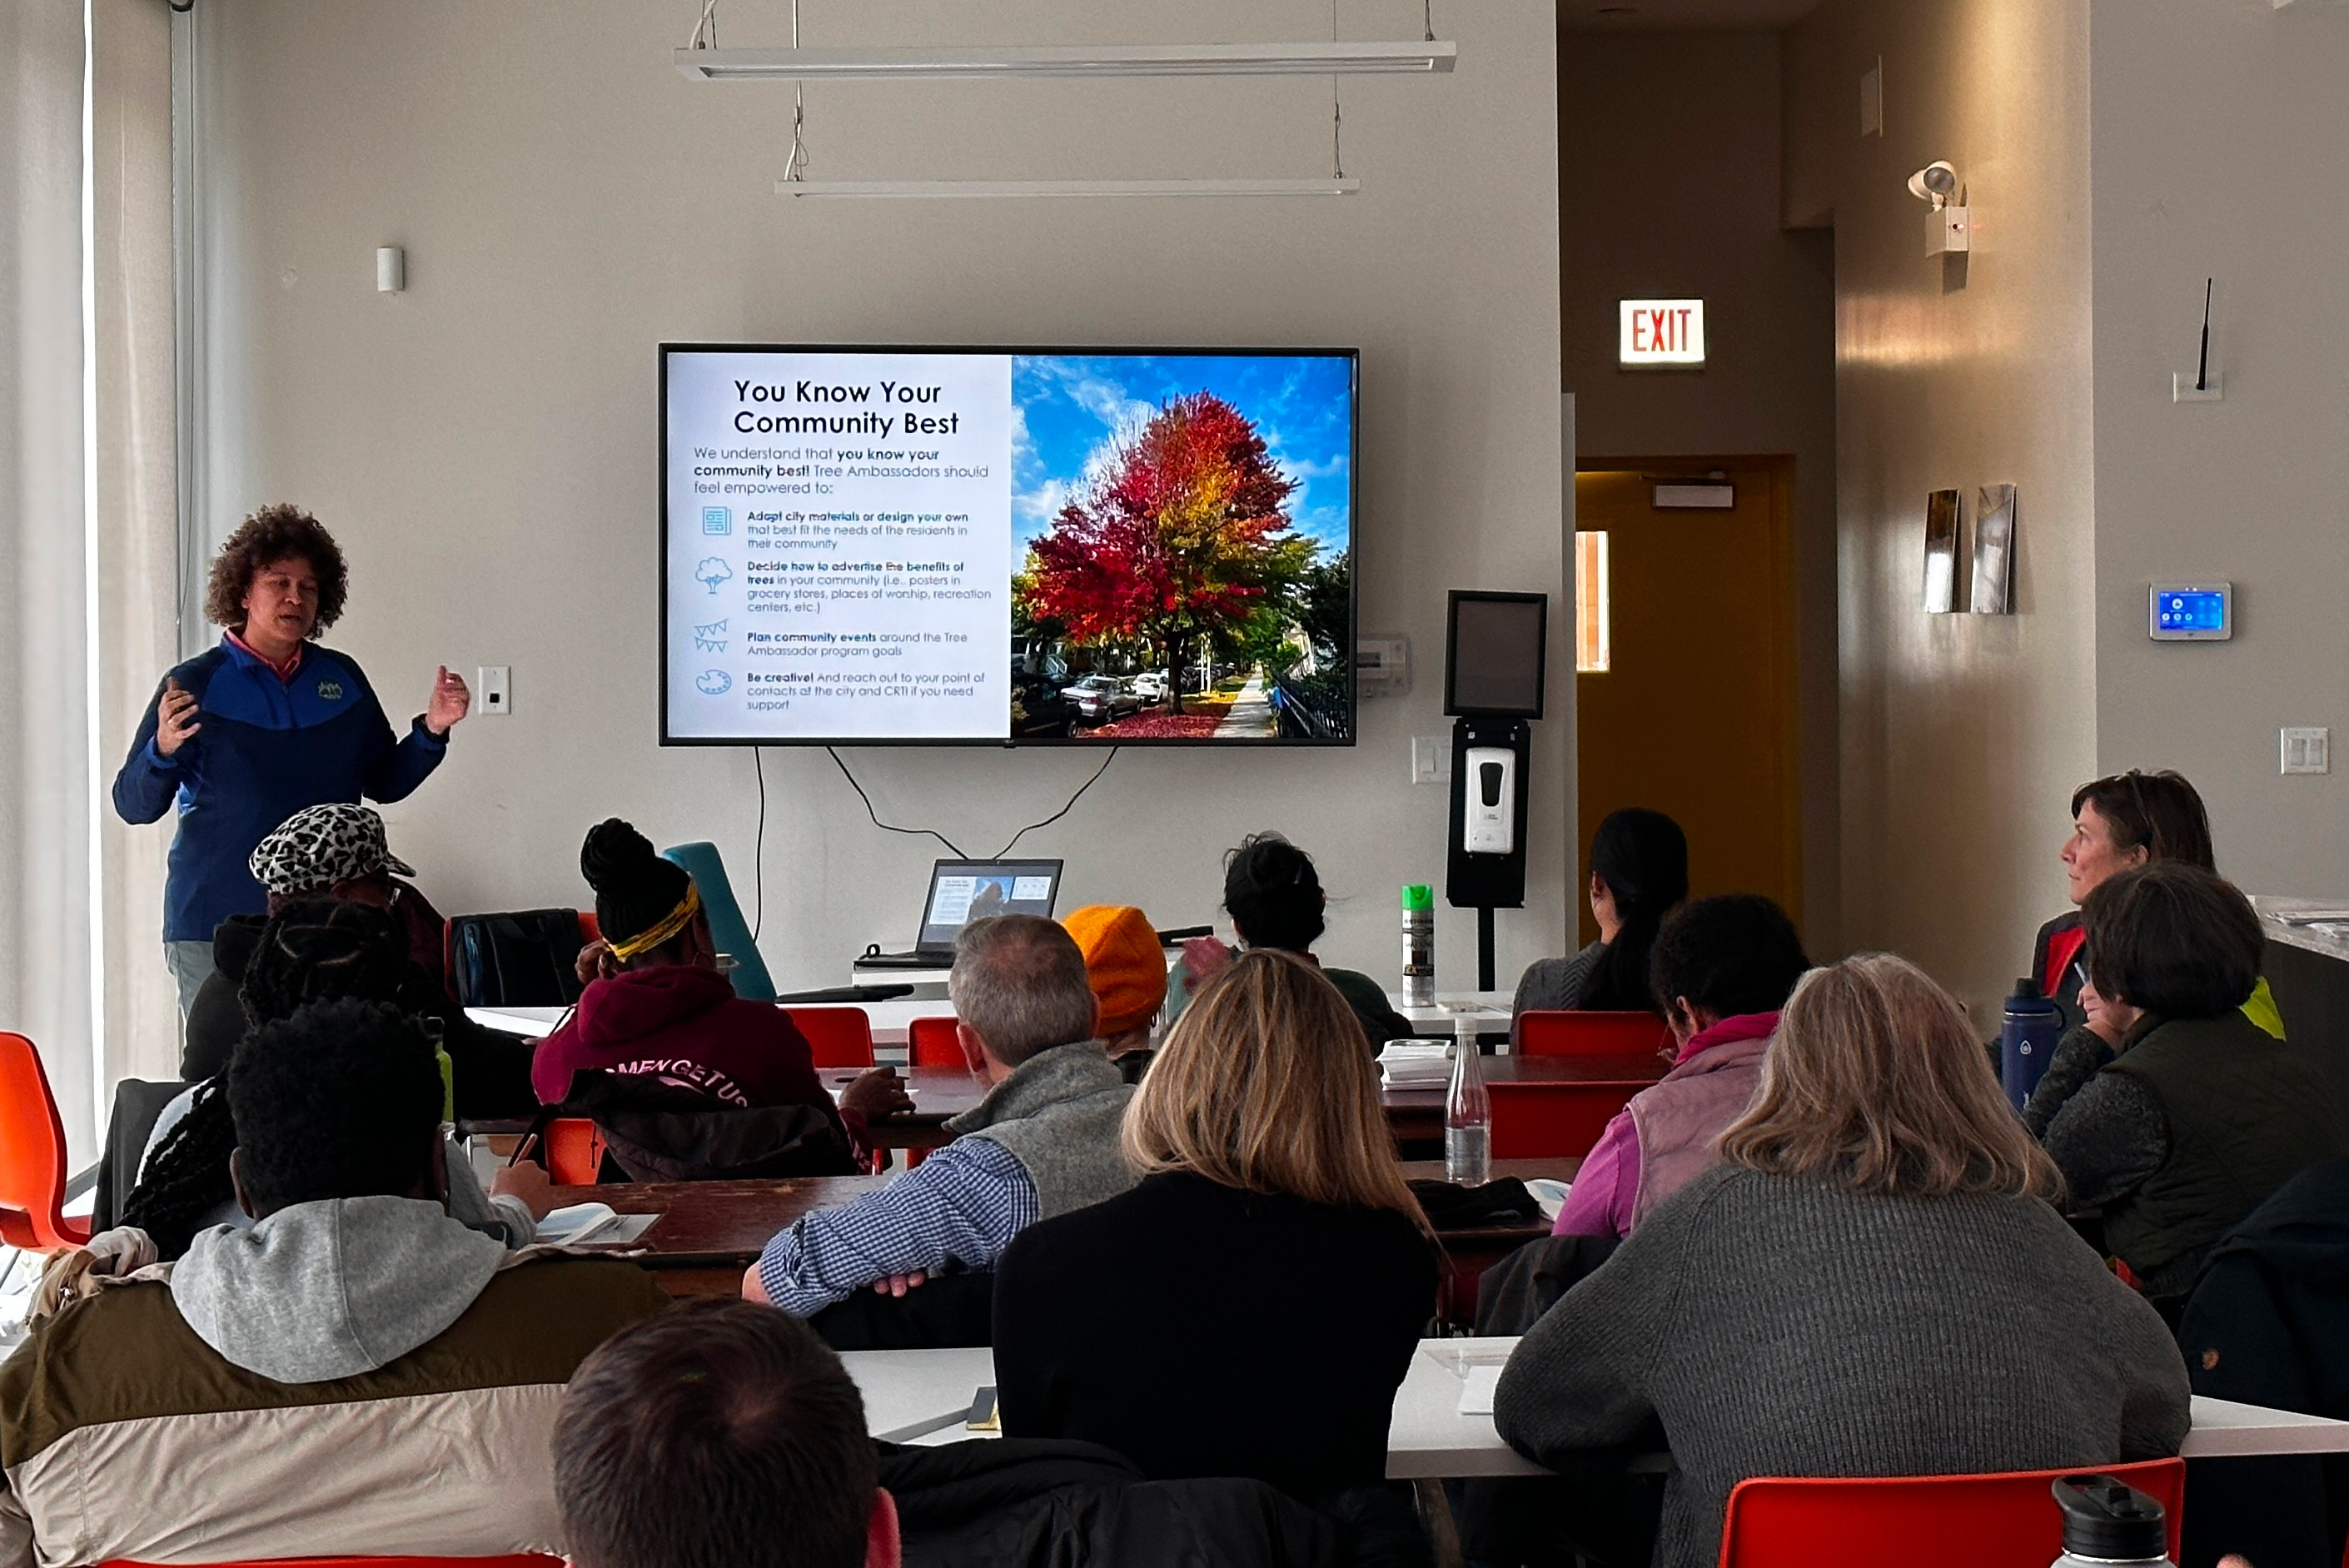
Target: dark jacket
1381 1022
2269 1325
489 1071
2183 1134
1108 1328
658 1131
268 748
1020 1504
2065 992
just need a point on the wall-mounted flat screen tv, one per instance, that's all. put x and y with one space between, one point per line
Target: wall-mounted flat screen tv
925 545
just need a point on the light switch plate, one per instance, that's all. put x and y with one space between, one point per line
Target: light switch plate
493 687
1431 759
2307 751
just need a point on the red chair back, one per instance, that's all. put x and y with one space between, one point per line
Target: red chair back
1553 1121
1549 1033
840 1036
519 1559
32 1156
931 1042
2007 1520
574 1151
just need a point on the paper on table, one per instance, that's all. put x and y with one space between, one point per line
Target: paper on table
596 1223
1549 1193
1402 1062
1478 1385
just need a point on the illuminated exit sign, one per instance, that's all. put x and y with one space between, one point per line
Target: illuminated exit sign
1662 332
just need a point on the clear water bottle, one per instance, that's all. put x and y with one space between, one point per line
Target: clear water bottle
2028 1031
1467 1113
2107 1523
1417 945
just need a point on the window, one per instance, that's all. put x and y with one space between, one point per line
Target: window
1591 650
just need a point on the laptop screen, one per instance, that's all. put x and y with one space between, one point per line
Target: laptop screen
962 891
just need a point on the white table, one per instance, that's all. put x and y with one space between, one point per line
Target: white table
924 1395
891 1020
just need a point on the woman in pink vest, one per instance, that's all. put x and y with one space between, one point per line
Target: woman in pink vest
1720 971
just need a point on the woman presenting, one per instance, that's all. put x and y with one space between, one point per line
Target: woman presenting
245 734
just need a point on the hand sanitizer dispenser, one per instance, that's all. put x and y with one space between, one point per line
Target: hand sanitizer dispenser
1489 803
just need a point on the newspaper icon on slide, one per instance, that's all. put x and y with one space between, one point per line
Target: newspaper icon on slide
710 638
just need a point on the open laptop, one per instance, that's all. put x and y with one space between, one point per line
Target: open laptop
962 891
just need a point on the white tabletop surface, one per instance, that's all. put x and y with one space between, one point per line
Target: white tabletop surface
924 1396
1451 1005
2330 937
891 1019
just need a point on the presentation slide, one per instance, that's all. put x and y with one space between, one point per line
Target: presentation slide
991 546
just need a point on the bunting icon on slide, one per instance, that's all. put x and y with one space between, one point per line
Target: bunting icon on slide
710 638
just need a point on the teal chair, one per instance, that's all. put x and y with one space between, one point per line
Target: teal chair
732 931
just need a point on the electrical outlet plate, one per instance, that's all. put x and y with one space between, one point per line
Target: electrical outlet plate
2182 389
2307 751
1431 759
493 688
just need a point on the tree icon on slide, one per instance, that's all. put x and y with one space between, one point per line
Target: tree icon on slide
712 571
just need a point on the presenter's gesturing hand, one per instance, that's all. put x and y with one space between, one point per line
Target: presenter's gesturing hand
175 719
449 703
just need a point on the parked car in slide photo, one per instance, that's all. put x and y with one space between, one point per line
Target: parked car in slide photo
1098 699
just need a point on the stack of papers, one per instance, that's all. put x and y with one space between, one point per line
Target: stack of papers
591 1222
1408 1064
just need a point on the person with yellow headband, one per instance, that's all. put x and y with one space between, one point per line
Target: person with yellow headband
1126 968
660 1008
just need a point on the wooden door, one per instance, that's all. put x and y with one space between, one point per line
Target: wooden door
1694 713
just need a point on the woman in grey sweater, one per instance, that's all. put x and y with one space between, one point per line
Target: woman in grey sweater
1871 1283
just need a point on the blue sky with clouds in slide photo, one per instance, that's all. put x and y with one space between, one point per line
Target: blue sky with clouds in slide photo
1070 411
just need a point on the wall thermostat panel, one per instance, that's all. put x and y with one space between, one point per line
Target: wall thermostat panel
2190 612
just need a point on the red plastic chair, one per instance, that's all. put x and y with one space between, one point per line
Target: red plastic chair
1553 1121
2006 1520
840 1036
1551 1033
931 1042
32 1156
574 1151
519 1560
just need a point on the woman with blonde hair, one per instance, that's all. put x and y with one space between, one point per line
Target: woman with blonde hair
1872 1282
1251 1308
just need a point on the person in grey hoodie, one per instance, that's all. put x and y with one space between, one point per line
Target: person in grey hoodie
1043 1142
359 1373
1871 1283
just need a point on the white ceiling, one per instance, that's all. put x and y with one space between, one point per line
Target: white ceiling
1662 16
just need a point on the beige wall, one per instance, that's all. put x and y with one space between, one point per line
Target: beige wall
2218 130
1669 172
485 444
1963 736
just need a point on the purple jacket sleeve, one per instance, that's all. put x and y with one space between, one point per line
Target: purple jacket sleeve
1605 1189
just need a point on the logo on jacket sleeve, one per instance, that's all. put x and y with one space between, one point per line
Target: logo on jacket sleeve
330 690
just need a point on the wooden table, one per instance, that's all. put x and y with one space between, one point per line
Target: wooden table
710 1231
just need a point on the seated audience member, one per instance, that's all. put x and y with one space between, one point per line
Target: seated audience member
308 952
1638 871
1266 1151
1044 1140
666 1012
1871 1283
2201 1113
1274 899
722 1434
1126 968
357 1374
337 853
1722 968
2118 824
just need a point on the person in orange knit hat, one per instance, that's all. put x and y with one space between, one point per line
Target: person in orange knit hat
1127 971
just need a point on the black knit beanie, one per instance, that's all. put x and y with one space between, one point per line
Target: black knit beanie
635 889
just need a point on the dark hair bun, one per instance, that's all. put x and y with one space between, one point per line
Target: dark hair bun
635 888
1273 893
614 856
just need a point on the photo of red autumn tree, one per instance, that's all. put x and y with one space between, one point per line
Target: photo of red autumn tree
1183 536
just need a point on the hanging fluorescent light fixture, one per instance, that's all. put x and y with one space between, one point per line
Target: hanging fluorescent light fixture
1429 57
1015 188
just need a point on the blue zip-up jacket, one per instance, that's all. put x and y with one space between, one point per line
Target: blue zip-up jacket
267 749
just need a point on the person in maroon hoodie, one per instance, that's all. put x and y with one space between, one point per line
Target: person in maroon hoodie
661 1008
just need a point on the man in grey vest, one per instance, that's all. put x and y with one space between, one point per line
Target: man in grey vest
1044 1140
